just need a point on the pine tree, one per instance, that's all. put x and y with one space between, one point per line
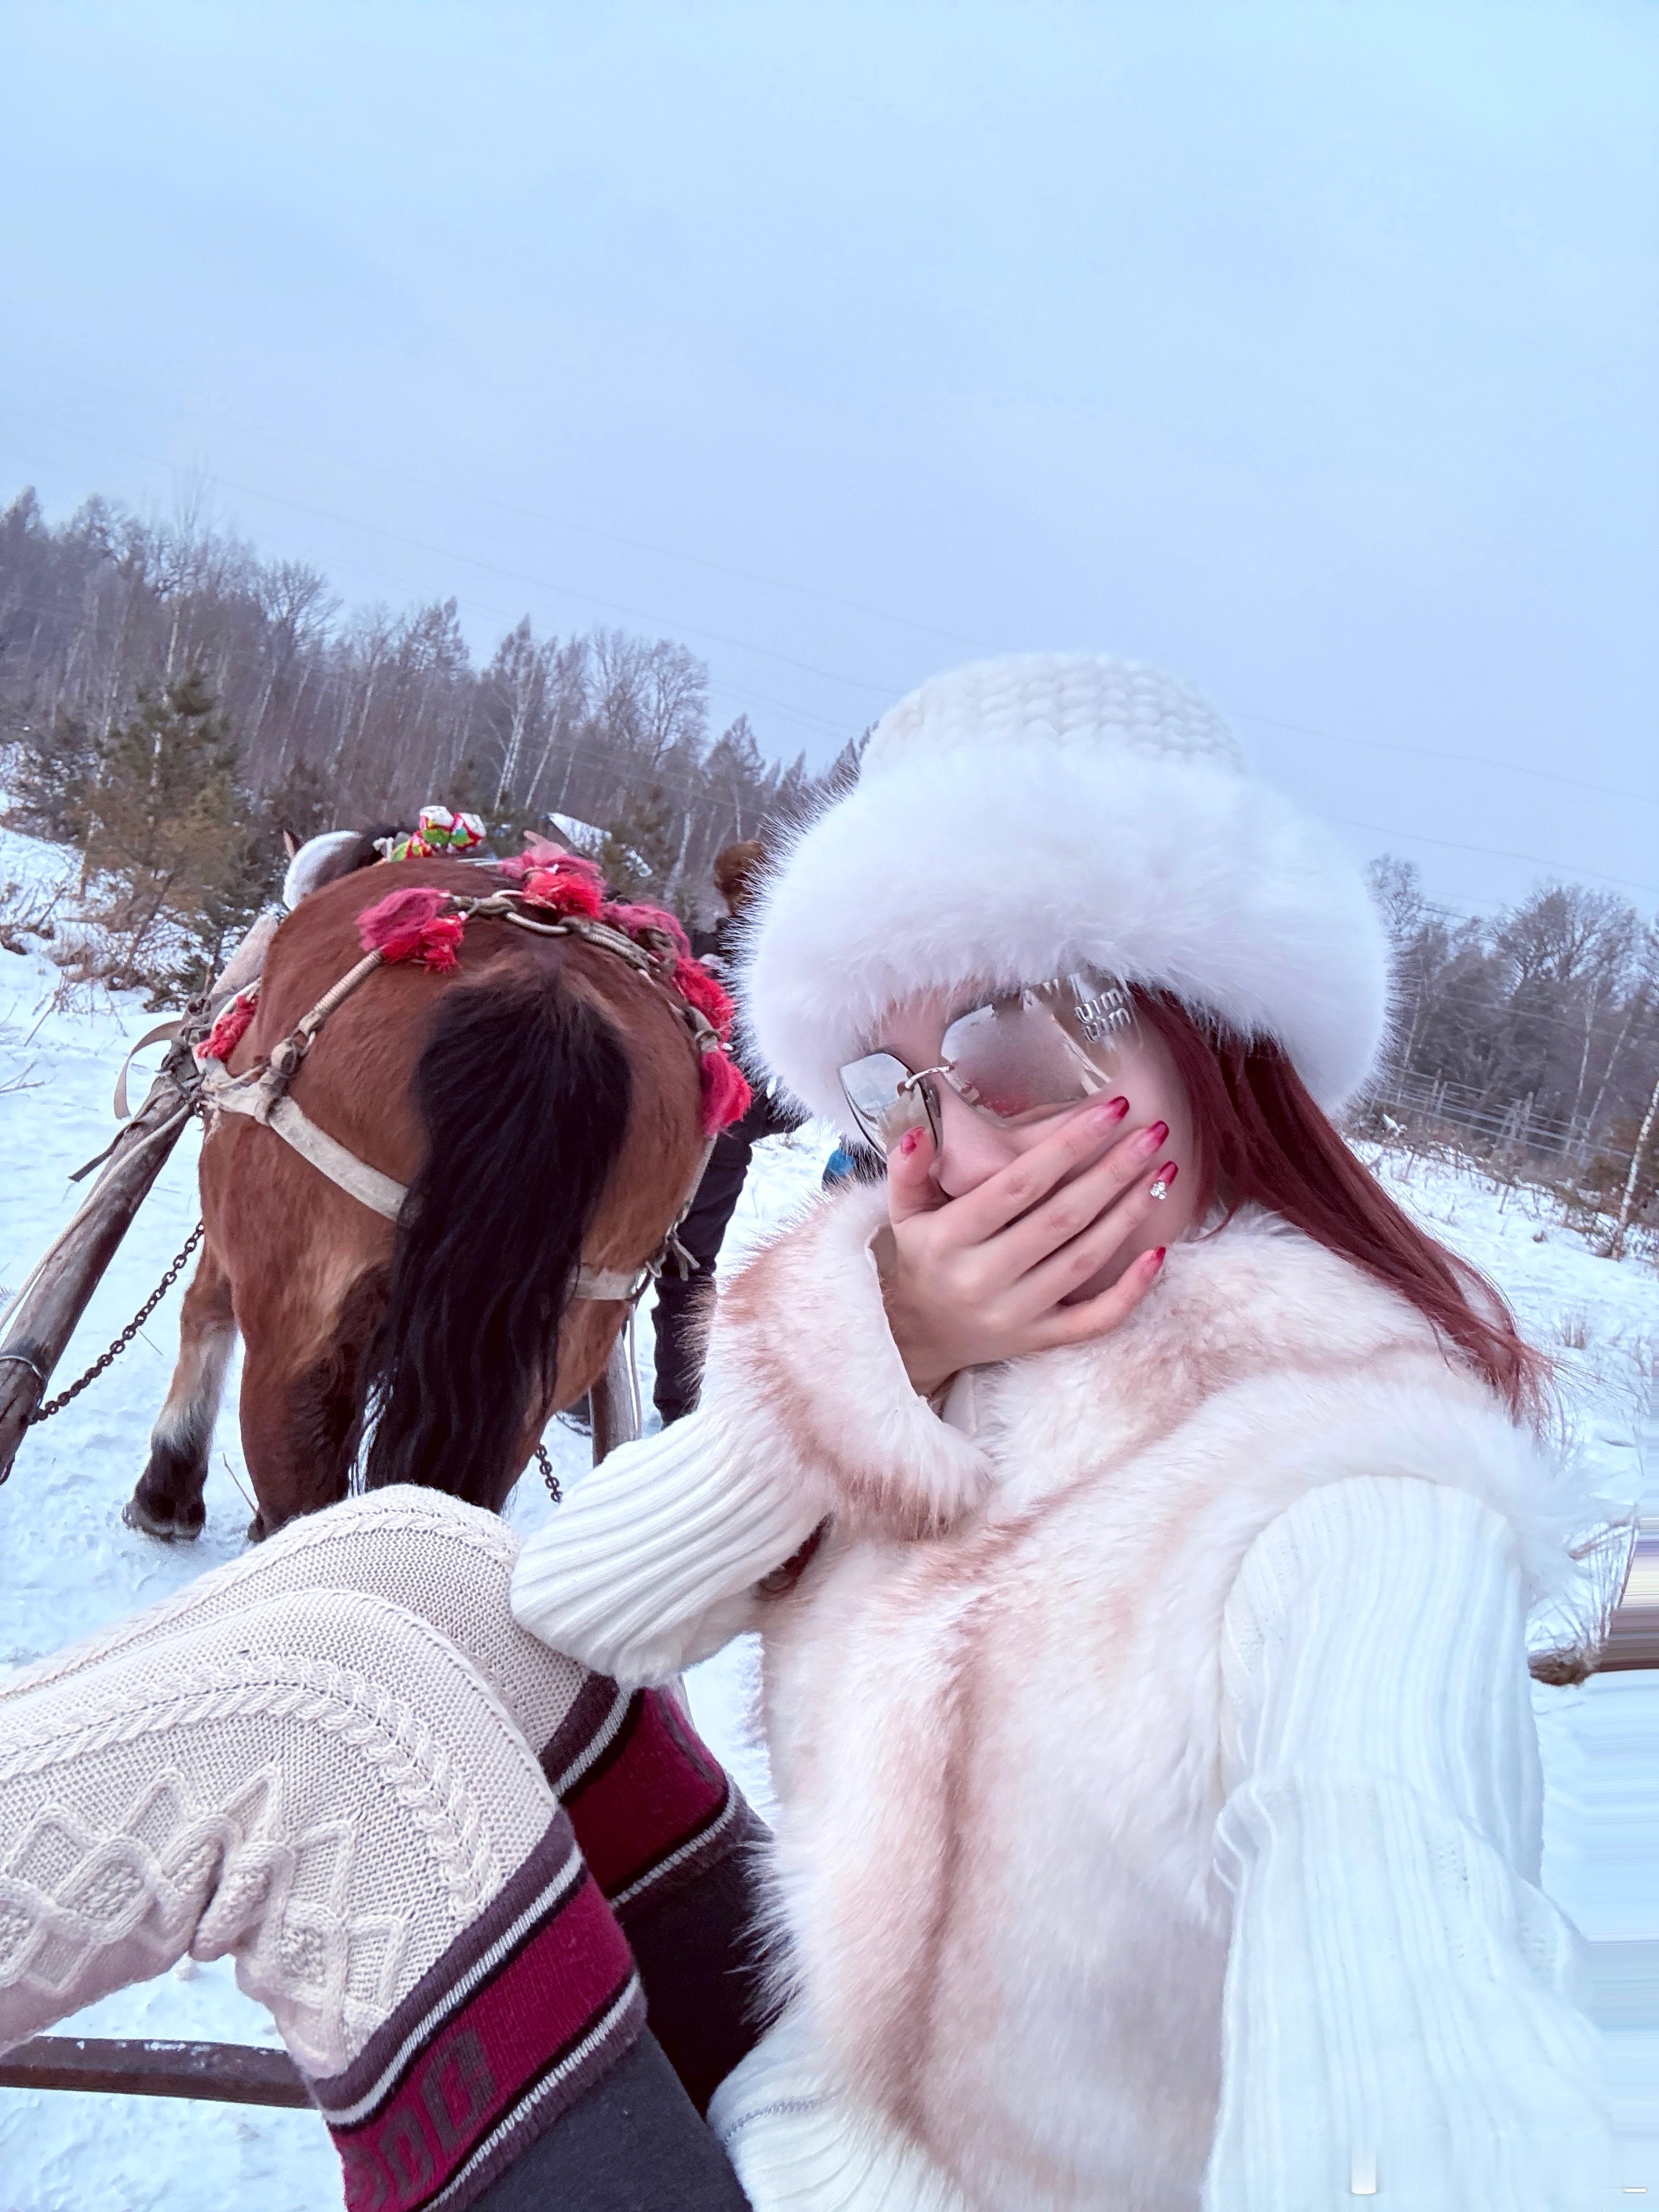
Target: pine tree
52 758
168 835
641 842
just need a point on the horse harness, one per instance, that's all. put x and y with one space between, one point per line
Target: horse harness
262 1093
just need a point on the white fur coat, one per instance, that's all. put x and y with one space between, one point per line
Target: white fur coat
993 1694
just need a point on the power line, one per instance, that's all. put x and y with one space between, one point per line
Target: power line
769 582
743 694
571 745
554 521
1433 753
885 691
333 681
541 584
1495 852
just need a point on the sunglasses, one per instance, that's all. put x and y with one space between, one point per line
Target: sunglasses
1016 1059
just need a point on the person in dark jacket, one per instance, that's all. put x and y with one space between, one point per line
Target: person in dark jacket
737 870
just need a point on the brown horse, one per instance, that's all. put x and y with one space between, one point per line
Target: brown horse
542 1104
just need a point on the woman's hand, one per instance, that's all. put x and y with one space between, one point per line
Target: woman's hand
984 1277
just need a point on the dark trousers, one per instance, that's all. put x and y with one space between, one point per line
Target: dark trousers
637 2141
634 2143
679 1316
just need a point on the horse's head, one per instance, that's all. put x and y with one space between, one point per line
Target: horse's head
324 858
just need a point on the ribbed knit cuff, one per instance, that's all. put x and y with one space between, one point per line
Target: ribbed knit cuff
1399 1994
796 2149
649 1563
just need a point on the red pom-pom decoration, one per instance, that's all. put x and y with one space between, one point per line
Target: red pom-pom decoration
726 1093
230 1027
569 886
706 992
410 926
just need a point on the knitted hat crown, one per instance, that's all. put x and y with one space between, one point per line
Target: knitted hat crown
1063 699
1019 817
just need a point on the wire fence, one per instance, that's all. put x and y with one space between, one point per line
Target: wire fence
1408 1103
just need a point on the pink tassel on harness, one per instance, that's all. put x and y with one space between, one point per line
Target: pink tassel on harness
410 926
637 921
706 992
230 1028
726 1093
569 886
539 853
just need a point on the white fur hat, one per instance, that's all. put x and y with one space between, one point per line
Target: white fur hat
1020 817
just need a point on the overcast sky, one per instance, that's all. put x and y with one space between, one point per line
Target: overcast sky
1307 351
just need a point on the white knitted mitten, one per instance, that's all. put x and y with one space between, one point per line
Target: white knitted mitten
321 1785
797 2147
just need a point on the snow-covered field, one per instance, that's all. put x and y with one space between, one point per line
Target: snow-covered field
70 1566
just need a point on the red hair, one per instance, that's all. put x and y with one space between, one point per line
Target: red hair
1263 1141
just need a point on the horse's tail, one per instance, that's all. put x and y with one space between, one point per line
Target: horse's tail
524 1090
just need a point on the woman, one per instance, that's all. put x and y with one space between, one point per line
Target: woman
1141 1519
1147 1686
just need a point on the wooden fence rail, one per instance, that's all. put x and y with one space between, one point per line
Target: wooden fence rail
218 2073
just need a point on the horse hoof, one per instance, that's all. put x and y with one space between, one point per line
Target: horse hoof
256 1531
168 1527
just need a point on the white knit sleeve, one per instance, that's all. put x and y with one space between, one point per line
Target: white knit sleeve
651 1563
1399 2015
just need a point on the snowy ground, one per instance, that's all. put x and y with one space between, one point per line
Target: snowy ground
70 1566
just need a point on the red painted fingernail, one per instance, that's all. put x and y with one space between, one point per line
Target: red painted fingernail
1150 1139
1155 1260
1117 1108
909 1141
1167 1173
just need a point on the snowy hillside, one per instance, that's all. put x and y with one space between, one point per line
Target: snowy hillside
70 1566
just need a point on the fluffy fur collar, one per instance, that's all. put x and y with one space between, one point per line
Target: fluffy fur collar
800 1340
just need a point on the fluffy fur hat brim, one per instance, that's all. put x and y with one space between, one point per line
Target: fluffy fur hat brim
1001 865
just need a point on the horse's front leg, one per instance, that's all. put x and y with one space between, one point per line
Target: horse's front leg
167 1501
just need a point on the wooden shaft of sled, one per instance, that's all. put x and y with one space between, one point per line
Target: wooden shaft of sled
614 1400
46 1313
1633 1633
221 2073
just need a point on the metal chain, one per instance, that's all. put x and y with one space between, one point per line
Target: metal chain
548 1475
57 1405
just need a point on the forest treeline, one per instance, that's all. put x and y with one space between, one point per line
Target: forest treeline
280 710
170 701
1530 1036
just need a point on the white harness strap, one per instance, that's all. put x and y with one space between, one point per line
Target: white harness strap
262 1095
256 1096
